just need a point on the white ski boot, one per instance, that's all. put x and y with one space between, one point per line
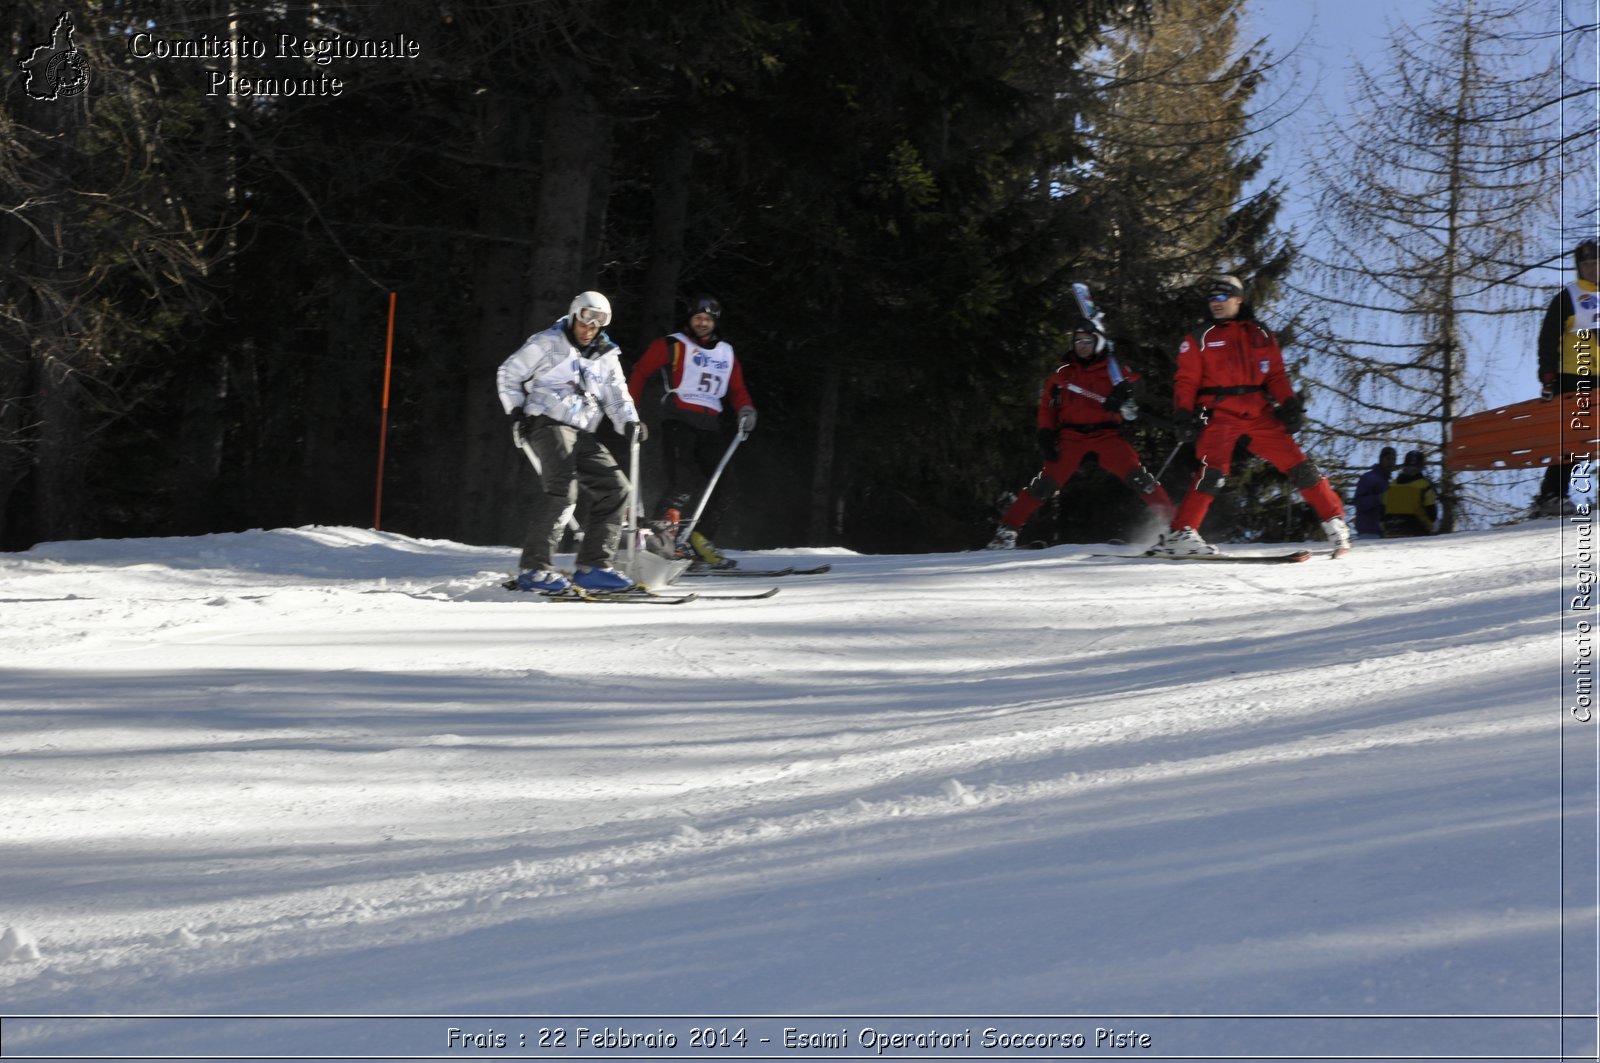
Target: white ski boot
1181 542
1338 533
1004 539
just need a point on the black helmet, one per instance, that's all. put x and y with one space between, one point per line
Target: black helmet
1586 251
705 304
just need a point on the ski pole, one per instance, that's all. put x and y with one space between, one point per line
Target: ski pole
633 497
1174 454
1153 418
1086 393
1163 470
705 495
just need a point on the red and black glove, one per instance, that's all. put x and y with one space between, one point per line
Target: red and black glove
1547 386
1185 426
1049 444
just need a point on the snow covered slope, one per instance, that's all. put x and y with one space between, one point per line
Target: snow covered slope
326 772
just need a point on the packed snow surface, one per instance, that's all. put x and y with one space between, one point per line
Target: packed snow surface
972 805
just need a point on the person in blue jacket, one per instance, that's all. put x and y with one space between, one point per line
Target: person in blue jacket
1370 490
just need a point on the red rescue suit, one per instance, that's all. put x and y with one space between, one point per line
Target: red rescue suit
678 355
1083 426
1235 368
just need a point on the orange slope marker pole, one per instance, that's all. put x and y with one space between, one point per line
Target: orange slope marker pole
383 420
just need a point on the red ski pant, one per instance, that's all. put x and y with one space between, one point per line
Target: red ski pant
1269 439
1116 456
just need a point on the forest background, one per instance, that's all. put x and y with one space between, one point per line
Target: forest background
891 200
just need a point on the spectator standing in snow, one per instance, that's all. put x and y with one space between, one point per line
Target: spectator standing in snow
556 389
1235 369
702 378
1081 413
1410 505
1567 355
1369 495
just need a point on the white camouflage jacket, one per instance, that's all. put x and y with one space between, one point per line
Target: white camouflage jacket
548 375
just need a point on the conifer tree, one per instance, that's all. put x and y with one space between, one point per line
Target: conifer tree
1169 186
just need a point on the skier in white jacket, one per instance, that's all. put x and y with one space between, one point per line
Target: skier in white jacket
555 389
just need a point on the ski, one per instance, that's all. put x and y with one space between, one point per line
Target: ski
1086 306
575 594
639 595
1237 559
645 594
768 593
759 572
628 598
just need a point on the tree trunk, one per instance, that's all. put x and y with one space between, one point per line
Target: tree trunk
821 532
58 341
594 234
199 458
61 460
572 142
492 481
669 222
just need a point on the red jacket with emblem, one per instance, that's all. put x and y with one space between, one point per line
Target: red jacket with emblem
667 353
1232 366
1060 407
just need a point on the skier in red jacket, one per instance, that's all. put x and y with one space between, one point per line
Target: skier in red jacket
701 377
1081 412
1235 369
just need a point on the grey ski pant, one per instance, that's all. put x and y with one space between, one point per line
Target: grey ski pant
571 461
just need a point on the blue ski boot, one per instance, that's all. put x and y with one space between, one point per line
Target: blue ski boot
603 579
543 581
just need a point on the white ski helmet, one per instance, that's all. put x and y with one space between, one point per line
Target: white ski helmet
591 308
1084 325
1224 284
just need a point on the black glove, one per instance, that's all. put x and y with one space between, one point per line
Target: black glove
1547 386
1185 426
1120 395
1049 444
635 432
1292 412
516 417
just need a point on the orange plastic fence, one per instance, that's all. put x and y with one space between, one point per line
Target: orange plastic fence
1525 434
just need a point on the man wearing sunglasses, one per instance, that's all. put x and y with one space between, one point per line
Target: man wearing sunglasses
556 389
701 379
1234 369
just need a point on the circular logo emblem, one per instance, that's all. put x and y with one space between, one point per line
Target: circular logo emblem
66 74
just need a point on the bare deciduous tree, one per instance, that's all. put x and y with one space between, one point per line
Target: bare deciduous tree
1435 207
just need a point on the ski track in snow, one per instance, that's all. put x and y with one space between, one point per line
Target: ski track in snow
236 752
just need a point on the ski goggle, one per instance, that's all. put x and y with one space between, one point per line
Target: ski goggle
1221 297
589 315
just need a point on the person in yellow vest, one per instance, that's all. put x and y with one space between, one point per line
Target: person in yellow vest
1567 355
1410 506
